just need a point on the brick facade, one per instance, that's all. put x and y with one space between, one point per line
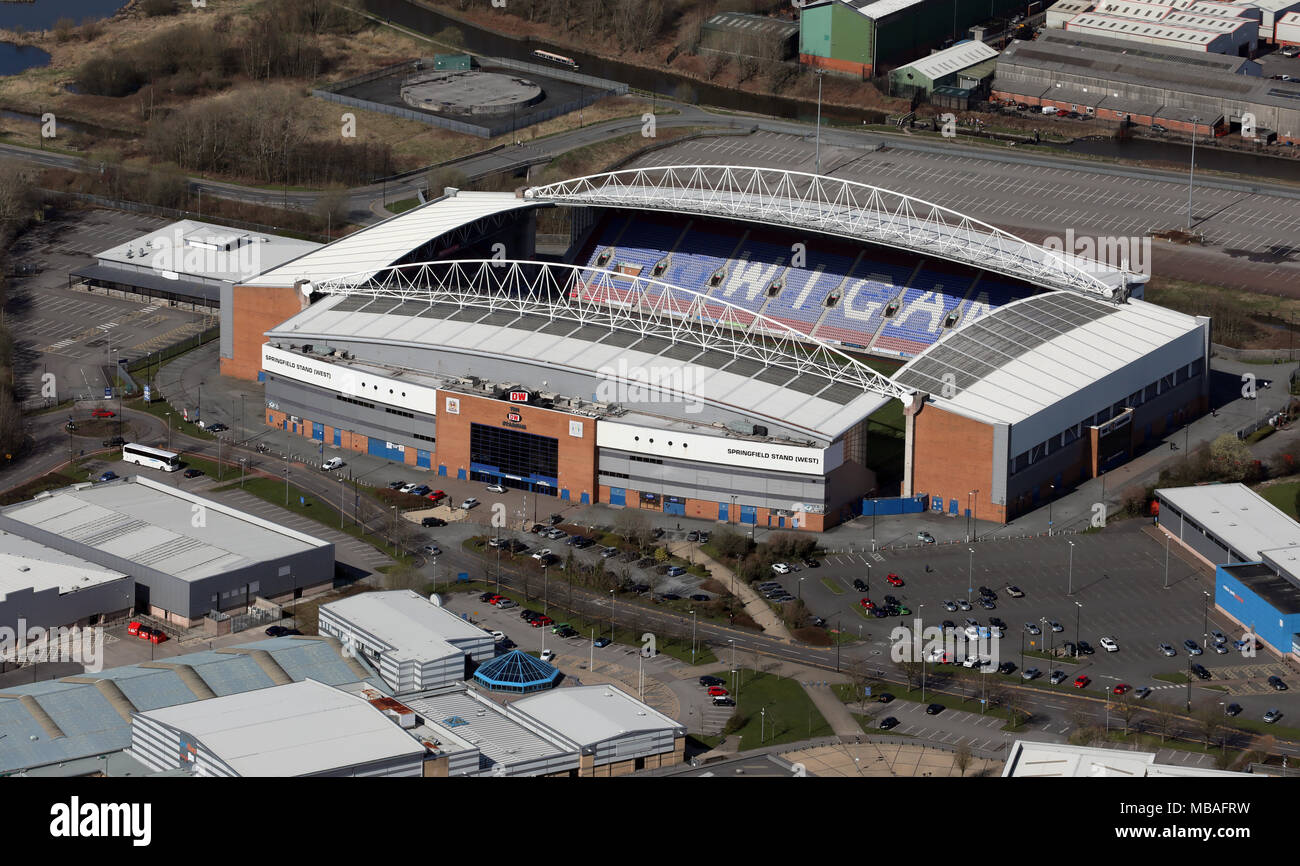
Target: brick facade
254 311
951 456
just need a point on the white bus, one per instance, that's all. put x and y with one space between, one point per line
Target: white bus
555 58
154 458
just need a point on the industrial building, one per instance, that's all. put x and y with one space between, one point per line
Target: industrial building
750 35
1146 85
1038 760
47 587
191 263
1254 548
415 645
186 555
1222 26
298 729
865 38
965 66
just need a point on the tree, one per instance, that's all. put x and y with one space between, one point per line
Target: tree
1128 710
633 525
1208 721
962 758
1230 458
1163 720
912 670
332 208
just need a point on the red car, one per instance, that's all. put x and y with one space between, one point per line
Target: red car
436 496
541 621
718 692
1081 680
103 413
894 580
868 604
1121 688
494 599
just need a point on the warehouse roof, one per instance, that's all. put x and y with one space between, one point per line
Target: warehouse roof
501 739
411 625
587 715
961 56
205 250
370 250
27 564
877 9
1032 353
152 524
805 401
90 714
1240 518
1192 32
298 729
1044 760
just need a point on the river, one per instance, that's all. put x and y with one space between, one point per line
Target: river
42 15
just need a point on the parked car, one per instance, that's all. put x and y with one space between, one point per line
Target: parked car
488 597
949 605
723 701
1108 644
710 680
1277 684
867 603
1085 648
103 413
495 488
1032 628
567 631
469 503
1201 672
925 537
1030 674
115 440
893 579
692 536
541 621
1142 693
506 604
1219 637
1233 709
1056 677
934 709
718 691
987 604
548 655
1007 668
1055 626
809 562
888 723
1272 715
110 475
420 491
397 485
675 571
1015 592
331 464
1081 681
193 473
601 641
780 568
963 605
432 521
431 550
1193 648
699 596
1167 650
1121 689
860 585
217 428
408 487
884 698
607 552
1221 649
436 496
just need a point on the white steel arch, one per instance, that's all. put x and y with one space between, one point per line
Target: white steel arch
833 206
617 301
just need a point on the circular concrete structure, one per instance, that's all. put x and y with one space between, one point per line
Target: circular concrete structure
473 93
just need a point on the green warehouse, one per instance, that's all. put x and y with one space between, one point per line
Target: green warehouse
868 37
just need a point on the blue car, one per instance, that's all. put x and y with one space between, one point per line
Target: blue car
601 641
422 490
108 476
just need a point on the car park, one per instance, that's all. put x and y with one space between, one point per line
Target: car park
1192 647
1081 681
888 723
1056 677
1108 644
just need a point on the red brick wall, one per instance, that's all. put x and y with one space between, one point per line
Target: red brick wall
256 310
951 456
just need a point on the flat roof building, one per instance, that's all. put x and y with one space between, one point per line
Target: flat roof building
186 554
942 68
190 262
47 587
416 645
1062 760
298 729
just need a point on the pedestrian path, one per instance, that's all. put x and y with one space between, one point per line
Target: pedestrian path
754 604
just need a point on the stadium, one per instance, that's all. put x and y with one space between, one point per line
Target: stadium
745 345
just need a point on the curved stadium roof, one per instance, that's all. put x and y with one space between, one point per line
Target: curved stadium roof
516 671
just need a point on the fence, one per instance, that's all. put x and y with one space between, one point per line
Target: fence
897 505
156 359
1277 356
405 113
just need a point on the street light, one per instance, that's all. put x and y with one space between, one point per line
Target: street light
1191 172
611 616
970 573
971 505
1078 614
1167 561
1205 620
1070 586
1051 499
801 580
169 430
820 73
692 637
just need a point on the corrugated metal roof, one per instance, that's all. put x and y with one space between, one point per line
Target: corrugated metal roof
877 9
593 714
291 730
27 564
499 738
954 59
412 626
150 523
385 243
1024 357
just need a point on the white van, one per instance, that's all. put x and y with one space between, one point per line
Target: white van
1050 109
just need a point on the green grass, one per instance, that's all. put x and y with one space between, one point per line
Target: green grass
160 408
776 710
1179 678
832 586
1284 496
402 206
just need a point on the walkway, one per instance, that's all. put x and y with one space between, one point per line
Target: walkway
754 604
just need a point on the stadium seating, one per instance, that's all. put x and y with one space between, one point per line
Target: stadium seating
864 285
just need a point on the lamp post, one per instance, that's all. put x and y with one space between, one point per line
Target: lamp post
1205 620
169 430
342 490
611 616
1050 500
820 74
243 461
286 485
971 504
1191 172
970 573
1166 562
800 596
1078 615
692 637
1070 585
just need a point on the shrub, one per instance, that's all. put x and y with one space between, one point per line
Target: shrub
109 76
158 8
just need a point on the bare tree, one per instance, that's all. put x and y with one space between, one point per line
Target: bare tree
1163 720
962 758
1208 722
1128 710
634 525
